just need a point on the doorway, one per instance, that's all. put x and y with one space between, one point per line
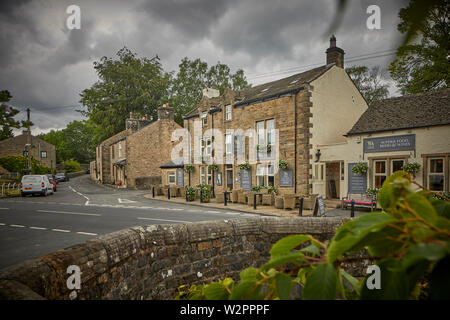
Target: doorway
229 176
333 170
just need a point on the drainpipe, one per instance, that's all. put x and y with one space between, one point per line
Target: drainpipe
189 150
295 142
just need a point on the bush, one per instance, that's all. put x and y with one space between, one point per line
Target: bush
72 166
190 193
18 164
409 241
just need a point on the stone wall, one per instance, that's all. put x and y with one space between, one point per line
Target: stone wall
150 262
144 183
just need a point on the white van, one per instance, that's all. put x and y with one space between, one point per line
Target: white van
35 184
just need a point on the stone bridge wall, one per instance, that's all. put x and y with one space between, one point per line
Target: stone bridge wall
150 262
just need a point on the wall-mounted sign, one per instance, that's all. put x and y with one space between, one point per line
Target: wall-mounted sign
391 143
219 178
356 183
285 178
180 177
246 179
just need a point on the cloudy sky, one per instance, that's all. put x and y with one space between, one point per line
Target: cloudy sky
45 65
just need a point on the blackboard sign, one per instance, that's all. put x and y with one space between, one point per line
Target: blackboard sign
285 178
219 178
391 143
319 206
356 183
180 177
246 179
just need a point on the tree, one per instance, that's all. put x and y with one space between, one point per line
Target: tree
369 82
127 84
423 64
194 76
76 141
7 113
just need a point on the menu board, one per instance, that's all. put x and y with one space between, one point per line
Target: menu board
356 183
180 177
285 178
246 179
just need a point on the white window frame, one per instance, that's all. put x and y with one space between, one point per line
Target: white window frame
379 174
204 118
429 173
171 174
202 175
43 152
228 112
228 144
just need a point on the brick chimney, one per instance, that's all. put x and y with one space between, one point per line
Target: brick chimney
165 112
335 54
134 123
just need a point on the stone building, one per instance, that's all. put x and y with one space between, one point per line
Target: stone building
389 134
289 116
136 152
40 150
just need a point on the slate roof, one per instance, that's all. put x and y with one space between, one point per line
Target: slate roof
413 111
275 88
177 163
281 86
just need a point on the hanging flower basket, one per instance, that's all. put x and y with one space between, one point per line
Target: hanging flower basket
244 166
412 167
189 168
283 164
213 167
360 169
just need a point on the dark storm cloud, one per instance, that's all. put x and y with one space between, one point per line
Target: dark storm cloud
46 66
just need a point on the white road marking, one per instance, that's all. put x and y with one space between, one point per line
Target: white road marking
66 212
87 202
125 200
181 221
2 224
174 209
17 225
38 228
211 211
4 208
232 213
87 233
60 230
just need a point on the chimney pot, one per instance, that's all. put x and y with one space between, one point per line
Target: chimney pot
335 54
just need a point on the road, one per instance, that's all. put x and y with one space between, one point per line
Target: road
80 210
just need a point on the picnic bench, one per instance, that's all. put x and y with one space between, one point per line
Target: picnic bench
361 200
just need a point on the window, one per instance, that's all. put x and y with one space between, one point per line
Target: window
43 154
228 112
209 176
260 132
436 174
208 147
120 150
204 118
202 175
265 136
171 177
397 165
380 173
228 143
265 175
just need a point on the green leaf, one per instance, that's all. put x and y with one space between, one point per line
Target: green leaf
249 274
423 251
394 282
286 244
440 280
246 290
350 233
216 291
312 248
423 207
442 207
390 191
284 284
354 283
321 283
292 257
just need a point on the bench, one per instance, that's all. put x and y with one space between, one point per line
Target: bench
361 200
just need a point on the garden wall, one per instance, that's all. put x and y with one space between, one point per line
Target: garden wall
150 262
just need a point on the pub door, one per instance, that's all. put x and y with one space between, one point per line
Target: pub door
333 180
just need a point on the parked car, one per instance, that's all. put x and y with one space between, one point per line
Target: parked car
35 184
62 177
53 177
53 182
